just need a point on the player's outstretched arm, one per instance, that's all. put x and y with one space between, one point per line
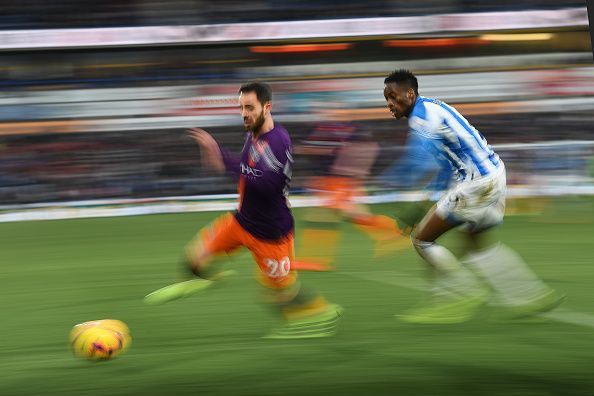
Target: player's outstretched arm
211 154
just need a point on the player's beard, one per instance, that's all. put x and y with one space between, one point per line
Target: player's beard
255 129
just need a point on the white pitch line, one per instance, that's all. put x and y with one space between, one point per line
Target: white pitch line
409 282
391 278
571 317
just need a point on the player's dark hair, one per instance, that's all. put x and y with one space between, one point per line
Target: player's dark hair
262 90
404 78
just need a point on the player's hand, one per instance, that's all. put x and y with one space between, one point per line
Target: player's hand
203 138
211 157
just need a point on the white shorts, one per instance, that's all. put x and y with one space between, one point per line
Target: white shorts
477 204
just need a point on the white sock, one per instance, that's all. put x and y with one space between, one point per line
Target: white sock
505 271
452 280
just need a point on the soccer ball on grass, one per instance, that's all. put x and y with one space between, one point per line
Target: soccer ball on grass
100 339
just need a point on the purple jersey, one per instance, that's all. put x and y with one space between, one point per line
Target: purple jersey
264 170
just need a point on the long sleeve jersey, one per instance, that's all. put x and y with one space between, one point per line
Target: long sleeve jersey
451 139
416 166
263 169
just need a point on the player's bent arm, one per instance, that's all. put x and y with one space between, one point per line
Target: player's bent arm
228 161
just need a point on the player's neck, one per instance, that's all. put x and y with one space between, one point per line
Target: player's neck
407 115
265 128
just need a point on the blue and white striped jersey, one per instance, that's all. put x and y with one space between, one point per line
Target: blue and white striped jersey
451 139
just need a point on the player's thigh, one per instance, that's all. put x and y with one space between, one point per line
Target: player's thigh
476 204
222 236
432 226
275 262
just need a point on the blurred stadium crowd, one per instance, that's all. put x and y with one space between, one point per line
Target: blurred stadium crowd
85 123
38 14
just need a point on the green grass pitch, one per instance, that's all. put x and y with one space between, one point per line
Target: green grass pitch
54 274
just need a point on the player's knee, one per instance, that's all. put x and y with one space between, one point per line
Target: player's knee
420 245
414 239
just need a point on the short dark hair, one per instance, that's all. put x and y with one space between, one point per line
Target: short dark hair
262 90
403 77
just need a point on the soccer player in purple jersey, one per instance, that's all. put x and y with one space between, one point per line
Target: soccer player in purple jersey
263 221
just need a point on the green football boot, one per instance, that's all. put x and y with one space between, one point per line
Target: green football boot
446 312
320 325
184 289
544 303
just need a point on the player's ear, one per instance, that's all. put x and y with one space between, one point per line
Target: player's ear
410 93
268 107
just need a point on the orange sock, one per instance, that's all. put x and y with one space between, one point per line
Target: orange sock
318 249
384 232
378 227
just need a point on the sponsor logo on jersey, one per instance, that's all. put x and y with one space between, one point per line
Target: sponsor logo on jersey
249 171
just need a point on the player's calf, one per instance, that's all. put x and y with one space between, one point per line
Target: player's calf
199 262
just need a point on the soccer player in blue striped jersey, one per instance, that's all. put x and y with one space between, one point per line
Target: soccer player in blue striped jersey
475 202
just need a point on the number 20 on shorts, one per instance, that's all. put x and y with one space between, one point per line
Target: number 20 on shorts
278 269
